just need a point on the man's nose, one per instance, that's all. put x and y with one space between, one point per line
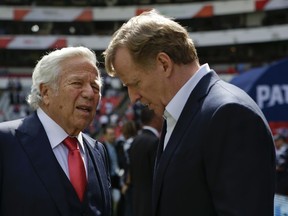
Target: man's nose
133 95
88 91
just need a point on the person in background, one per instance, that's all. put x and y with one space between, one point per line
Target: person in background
216 155
47 165
129 131
281 147
109 141
142 159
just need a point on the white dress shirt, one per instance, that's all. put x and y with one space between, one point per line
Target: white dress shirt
175 106
56 135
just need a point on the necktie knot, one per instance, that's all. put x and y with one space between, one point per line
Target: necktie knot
71 143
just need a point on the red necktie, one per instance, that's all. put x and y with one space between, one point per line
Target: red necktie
76 167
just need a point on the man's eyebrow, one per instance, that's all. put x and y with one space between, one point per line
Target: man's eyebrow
132 82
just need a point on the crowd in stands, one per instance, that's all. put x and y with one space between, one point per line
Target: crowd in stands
15 97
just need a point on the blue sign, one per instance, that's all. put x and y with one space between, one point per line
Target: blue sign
268 86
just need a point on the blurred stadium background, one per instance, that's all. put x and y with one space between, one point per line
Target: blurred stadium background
233 36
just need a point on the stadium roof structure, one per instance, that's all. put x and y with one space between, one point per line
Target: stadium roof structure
260 34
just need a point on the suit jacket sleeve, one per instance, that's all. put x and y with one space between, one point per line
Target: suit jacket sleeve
238 158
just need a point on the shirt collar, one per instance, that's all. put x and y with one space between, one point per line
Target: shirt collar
55 133
176 105
153 130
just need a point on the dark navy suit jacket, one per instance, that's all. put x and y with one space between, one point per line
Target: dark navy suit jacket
32 183
142 159
220 158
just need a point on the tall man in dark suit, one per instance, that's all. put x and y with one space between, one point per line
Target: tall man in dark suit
37 168
142 159
217 156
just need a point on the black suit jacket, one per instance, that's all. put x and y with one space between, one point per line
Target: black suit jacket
142 159
32 183
220 158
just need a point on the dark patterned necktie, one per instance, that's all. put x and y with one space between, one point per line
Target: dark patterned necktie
161 143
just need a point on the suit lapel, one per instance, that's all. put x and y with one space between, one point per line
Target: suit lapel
34 140
189 111
96 157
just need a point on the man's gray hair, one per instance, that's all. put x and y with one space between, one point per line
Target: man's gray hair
47 70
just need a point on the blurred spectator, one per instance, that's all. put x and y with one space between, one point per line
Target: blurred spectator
104 120
142 158
280 148
129 131
16 94
281 164
2 116
109 141
137 109
11 87
108 107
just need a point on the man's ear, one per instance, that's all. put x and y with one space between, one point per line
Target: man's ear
165 63
45 92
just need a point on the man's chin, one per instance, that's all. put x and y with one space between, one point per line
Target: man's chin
82 124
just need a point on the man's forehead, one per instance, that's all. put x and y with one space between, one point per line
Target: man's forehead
122 60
